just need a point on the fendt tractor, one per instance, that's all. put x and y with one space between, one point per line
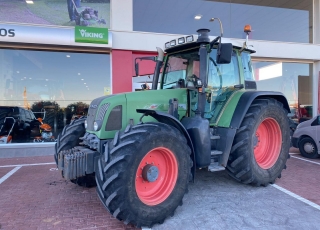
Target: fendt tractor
141 149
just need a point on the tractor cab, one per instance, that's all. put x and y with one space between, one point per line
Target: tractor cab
221 76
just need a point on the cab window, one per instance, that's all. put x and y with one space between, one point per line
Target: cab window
222 75
180 69
247 67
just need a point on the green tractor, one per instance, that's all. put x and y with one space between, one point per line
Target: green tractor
141 149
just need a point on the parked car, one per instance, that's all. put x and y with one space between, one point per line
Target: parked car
25 126
306 137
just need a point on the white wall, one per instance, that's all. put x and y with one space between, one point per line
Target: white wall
121 15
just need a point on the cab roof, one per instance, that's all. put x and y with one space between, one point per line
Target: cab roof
194 44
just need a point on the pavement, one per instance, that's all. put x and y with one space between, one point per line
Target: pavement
34 196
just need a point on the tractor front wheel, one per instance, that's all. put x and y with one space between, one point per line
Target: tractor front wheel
144 173
261 145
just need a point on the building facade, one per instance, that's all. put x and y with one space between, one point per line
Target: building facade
54 66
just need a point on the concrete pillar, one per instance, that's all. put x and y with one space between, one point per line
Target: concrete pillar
316 21
316 73
121 15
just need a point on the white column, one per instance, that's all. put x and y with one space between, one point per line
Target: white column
315 88
121 15
316 21
316 65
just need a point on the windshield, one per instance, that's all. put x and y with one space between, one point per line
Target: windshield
183 68
180 69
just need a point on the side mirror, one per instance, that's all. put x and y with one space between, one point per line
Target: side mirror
136 64
136 68
224 53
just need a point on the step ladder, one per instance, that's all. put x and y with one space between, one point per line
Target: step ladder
215 156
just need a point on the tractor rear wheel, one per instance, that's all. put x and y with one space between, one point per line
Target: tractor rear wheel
261 145
144 174
68 139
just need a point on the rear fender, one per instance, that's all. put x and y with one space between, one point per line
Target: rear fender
246 100
172 121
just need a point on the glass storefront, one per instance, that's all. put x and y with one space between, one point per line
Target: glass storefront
294 80
46 87
288 21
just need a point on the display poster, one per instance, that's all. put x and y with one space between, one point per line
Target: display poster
87 13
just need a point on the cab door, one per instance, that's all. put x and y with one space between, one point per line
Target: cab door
223 81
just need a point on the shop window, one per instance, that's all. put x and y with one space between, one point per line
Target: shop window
45 87
294 80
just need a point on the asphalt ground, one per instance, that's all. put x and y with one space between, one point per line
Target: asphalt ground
34 196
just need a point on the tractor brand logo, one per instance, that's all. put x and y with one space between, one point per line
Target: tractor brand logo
5 32
93 106
86 34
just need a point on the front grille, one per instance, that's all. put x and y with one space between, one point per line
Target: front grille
115 119
92 112
102 111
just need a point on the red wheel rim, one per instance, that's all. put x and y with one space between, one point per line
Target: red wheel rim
153 193
267 143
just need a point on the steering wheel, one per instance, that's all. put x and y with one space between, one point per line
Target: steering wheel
218 71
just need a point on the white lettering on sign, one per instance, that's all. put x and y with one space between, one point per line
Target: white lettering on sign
86 34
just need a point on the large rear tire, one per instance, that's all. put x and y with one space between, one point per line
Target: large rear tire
68 139
144 174
261 145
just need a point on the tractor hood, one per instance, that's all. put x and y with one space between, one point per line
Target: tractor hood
109 114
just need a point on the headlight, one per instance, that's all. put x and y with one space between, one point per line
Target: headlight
95 126
85 124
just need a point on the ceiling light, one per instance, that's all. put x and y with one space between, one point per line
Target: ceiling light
47 79
85 83
198 16
79 73
67 56
30 78
18 71
29 1
82 79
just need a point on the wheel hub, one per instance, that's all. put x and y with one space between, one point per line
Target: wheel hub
267 143
308 147
150 173
156 176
